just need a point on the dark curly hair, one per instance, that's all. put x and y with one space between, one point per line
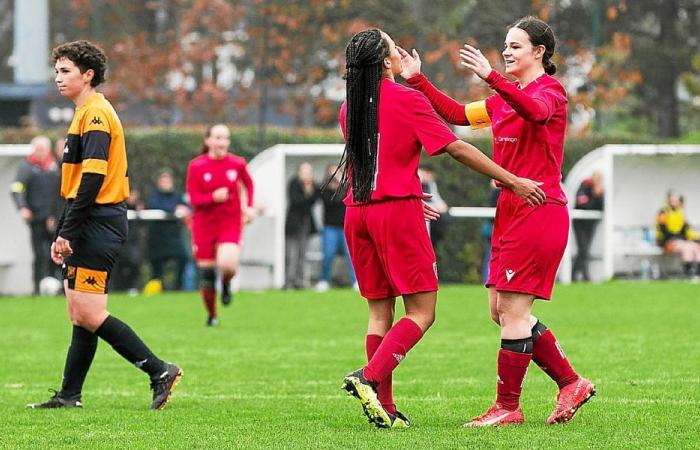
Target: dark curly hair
85 55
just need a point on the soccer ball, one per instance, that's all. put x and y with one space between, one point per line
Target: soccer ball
50 286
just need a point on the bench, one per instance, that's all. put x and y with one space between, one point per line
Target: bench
639 256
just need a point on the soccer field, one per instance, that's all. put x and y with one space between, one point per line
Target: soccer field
269 376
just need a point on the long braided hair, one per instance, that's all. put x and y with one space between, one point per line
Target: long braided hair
364 55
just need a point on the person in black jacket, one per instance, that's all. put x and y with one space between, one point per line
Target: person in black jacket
36 192
165 240
302 193
590 196
333 236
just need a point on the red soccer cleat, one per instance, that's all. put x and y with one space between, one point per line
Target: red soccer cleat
570 398
496 416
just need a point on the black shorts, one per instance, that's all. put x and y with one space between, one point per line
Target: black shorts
96 249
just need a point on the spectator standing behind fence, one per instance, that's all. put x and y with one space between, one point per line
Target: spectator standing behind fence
302 193
333 241
127 269
675 235
35 192
165 240
590 196
438 227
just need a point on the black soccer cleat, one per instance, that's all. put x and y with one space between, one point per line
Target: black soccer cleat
356 385
226 294
212 321
56 402
164 385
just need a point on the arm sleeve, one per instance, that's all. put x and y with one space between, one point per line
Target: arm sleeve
248 184
18 188
447 107
537 108
95 140
432 132
196 195
78 210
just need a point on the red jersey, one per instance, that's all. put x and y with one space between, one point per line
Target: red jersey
407 123
205 175
529 141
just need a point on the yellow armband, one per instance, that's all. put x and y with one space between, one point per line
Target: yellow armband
477 115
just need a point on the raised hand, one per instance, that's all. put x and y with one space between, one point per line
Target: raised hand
473 59
410 63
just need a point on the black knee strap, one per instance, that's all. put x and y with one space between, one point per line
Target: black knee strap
537 330
207 278
517 345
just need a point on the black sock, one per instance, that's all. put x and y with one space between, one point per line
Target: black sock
517 345
125 342
81 352
537 330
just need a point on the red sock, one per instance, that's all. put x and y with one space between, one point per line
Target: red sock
547 353
398 341
384 389
209 298
512 367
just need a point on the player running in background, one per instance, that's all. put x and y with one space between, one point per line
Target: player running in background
214 180
528 121
93 227
384 222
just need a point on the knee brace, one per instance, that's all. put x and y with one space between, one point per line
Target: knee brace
207 278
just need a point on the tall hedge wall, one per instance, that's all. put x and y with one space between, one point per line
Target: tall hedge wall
459 254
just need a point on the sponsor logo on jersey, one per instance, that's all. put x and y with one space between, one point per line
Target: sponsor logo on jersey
96 121
509 274
511 140
207 177
231 175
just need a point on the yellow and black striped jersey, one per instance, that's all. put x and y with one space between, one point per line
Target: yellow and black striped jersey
95 144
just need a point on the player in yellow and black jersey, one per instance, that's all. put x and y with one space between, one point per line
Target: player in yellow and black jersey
93 227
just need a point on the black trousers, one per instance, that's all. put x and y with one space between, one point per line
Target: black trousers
41 248
583 231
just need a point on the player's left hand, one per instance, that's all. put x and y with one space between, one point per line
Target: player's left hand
55 256
473 59
429 213
248 215
529 191
62 247
410 63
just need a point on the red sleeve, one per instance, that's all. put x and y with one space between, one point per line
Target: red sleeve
197 196
539 107
448 108
430 130
247 183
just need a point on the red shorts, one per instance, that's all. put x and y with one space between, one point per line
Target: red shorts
527 246
390 248
208 234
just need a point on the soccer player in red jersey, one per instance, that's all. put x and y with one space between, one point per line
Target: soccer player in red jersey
385 126
528 121
214 181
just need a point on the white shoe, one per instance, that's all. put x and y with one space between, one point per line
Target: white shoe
322 286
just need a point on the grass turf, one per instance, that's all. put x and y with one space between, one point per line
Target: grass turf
269 376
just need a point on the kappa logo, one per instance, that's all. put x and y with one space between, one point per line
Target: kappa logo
398 357
96 121
90 280
509 274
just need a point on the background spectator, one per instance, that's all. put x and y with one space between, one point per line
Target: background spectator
675 235
333 239
299 225
590 197
165 237
126 275
35 192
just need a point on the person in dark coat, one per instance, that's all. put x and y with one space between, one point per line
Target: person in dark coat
302 193
590 196
35 192
165 238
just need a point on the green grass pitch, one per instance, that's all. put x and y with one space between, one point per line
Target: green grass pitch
269 376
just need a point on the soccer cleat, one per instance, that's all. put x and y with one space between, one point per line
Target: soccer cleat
56 402
497 416
212 321
398 420
570 398
356 385
226 295
164 385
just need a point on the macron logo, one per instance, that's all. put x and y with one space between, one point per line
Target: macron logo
509 274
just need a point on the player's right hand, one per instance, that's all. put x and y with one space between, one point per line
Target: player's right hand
56 257
410 63
529 191
220 195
